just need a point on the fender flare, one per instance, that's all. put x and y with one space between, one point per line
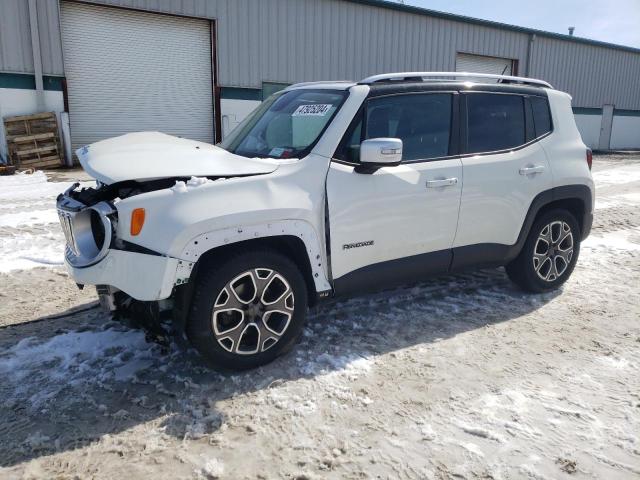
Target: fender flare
565 192
204 242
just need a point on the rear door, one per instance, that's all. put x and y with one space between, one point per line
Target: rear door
397 223
504 169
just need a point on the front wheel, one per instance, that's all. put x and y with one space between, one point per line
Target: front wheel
248 309
550 253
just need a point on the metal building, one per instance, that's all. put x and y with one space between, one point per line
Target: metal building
196 68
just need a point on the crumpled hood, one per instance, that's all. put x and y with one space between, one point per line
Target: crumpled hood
152 155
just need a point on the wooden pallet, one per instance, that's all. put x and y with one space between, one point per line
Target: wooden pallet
7 169
33 140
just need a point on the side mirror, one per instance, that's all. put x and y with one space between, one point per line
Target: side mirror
380 152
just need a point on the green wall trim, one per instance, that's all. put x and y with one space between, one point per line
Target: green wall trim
238 93
17 80
53 83
25 81
598 111
587 111
626 113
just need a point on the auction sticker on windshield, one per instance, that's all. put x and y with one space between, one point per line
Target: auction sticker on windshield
316 110
276 152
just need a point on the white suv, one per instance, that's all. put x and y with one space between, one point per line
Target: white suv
326 190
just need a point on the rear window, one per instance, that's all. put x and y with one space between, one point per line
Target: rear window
494 122
541 115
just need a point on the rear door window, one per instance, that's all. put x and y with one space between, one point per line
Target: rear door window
541 115
494 122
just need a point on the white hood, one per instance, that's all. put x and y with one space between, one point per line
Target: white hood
151 155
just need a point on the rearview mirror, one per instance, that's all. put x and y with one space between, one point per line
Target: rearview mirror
381 152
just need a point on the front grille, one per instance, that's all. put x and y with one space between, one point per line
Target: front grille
66 221
87 230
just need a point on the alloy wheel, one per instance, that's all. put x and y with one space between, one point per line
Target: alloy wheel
553 251
252 312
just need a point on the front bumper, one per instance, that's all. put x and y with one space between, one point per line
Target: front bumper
141 276
93 256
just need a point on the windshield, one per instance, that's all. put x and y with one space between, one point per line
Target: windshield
286 125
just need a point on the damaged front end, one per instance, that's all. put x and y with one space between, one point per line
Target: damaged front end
89 218
132 281
133 270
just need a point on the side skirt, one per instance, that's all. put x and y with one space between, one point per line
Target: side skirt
482 255
385 275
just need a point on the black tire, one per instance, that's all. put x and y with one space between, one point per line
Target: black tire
224 352
522 270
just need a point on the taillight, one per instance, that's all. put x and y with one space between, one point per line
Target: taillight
589 158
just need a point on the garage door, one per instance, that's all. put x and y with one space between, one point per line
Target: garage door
480 64
132 71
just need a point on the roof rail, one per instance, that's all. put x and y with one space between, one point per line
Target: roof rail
321 82
434 76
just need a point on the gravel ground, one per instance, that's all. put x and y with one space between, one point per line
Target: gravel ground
459 377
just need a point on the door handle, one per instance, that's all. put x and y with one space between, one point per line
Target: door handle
444 182
531 170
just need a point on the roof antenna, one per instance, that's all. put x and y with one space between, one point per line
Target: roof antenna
571 29
500 80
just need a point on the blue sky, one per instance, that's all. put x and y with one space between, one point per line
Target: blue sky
614 21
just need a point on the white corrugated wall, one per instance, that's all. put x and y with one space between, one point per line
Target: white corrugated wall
298 40
130 71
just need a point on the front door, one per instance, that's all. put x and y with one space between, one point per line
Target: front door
398 223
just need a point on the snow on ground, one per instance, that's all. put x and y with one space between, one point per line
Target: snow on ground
71 358
30 235
617 176
459 377
27 219
621 239
622 200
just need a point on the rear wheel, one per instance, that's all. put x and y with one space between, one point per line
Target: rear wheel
550 253
248 309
